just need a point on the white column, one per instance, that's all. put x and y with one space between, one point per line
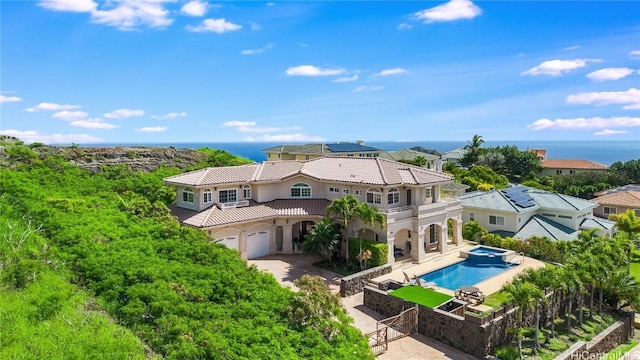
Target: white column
420 254
435 193
287 239
442 241
391 240
457 233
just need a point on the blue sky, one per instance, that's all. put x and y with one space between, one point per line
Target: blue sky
125 71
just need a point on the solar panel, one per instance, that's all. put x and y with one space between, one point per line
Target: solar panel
520 197
349 147
525 203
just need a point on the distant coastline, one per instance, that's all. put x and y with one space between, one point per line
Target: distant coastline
604 152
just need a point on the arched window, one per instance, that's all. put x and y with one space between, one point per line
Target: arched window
301 190
374 196
246 192
393 197
187 195
206 196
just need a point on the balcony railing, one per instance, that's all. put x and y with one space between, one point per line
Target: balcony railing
235 204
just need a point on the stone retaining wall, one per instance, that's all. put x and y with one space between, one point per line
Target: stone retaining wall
380 302
353 284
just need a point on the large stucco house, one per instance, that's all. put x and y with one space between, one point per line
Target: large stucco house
618 202
571 167
522 212
314 151
267 208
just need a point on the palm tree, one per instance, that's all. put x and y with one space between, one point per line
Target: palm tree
420 161
623 290
370 216
322 240
347 208
523 294
628 224
570 284
473 150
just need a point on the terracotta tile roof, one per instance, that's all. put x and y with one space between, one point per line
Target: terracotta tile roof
629 199
572 164
372 171
215 216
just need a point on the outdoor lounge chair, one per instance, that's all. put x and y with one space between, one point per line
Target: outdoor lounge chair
425 284
408 280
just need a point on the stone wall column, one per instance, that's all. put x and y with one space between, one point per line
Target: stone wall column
457 233
435 193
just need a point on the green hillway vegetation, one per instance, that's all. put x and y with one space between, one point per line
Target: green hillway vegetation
94 266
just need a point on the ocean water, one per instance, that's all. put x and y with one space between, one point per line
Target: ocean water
604 152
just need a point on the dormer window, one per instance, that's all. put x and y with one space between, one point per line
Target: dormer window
374 196
301 190
393 197
246 192
187 195
206 196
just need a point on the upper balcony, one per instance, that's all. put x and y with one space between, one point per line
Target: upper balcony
445 207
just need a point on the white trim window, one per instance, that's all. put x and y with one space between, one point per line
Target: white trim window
207 196
393 196
359 192
301 190
345 191
472 216
496 220
187 195
427 192
227 196
334 189
374 196
246 192
609 210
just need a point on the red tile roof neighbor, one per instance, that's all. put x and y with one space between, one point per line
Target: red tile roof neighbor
629 199
573 164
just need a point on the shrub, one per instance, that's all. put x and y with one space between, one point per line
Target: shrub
379 251
507 353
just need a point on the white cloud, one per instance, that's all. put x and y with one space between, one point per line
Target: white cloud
310 70
574 47
388 72
558 67
257 51
169 116
286 138
236 123
271 4
453 10
607 132
346 79
31 136
218 26
362 88
9 99
194 8
124 113
255 25
585 123
129 14
70 115
51 107
635 54
93 124
152 129
69 5
630 98
405 26
610 74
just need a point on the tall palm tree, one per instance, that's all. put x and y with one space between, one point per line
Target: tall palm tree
370 216
522 294
627 223
322 240
623 290
570 284
420 161
345 207
473 150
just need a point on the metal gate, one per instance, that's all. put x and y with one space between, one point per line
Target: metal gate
393 328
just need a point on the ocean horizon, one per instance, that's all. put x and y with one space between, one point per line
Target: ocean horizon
603 152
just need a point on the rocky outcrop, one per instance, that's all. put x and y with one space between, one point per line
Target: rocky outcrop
138 158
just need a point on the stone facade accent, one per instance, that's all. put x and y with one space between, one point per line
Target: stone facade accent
353 284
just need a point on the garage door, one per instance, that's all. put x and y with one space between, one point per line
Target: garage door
257 244
230 242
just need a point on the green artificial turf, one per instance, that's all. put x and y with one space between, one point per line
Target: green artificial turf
419 295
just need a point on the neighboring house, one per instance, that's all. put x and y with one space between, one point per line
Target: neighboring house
314 151
617 203
433 161
268 208
540 153
570 167
522 212
630 187
454 156
455 189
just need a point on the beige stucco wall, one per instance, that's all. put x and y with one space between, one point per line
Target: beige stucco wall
553 171
599 211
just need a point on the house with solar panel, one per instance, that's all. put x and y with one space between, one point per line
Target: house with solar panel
268 208
521 212
314 151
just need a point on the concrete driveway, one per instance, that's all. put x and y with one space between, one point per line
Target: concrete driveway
287 268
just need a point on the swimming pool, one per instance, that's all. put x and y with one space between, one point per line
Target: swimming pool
487 250
464 273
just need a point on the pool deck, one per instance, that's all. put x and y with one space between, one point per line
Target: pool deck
437 261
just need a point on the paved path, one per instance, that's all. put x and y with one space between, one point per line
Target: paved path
287 268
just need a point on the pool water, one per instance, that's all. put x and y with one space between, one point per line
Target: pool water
464 273
486 250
